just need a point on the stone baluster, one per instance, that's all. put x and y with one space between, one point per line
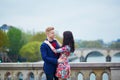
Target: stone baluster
73 75
98 75
86 74
25 75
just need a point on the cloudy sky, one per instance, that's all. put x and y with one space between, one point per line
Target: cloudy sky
87 19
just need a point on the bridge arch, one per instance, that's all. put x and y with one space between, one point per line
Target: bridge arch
85 52
116 57
93 54
114 52
117 54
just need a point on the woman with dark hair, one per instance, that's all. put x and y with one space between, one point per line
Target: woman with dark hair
68 40
63 69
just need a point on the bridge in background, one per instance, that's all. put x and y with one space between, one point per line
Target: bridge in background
83 53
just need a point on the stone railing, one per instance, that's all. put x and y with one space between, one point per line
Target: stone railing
79 71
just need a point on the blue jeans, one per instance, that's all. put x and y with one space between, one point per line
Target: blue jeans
51 77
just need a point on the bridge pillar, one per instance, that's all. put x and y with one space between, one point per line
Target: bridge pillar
108 58
82 59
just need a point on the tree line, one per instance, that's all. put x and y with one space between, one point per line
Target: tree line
98 44
20 46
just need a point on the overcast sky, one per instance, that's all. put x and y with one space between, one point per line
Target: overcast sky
87 19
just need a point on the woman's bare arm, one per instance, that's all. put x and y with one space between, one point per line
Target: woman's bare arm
60 50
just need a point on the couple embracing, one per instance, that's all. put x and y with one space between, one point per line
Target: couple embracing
55 56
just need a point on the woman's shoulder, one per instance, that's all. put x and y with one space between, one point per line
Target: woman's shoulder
67 48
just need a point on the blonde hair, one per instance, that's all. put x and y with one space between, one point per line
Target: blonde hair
48 29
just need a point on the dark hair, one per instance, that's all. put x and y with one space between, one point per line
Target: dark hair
68 40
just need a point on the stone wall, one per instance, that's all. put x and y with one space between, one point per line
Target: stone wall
81 69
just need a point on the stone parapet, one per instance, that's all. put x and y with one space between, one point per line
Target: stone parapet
79 70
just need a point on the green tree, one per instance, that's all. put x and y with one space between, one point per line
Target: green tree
91 44
41 36
31 51
38 37
15 42
3 40
3 46
115 45
26 37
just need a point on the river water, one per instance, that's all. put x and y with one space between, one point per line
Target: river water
99 59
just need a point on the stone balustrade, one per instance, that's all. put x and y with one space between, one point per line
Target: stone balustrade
79 71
